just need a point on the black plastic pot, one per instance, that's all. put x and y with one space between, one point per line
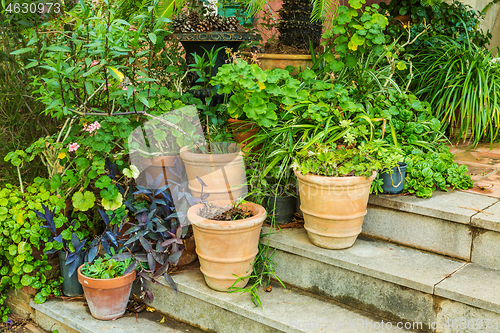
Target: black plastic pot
71 287
394 182
283 208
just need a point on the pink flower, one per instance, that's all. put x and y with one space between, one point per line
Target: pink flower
92 127
124 88
73 147
109 85
94 62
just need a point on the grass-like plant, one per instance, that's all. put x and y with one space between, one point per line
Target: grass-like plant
461 81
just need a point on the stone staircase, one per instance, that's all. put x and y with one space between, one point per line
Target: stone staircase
420 265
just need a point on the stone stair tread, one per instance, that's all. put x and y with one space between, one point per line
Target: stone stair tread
473 285
454 206
488 218
386 261
287 310
76 316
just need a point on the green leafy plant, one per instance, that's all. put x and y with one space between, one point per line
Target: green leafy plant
461 81
328 161
435 17
106 268
258 95
23 238
434 170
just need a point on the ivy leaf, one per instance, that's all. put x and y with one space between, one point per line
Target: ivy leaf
83 201
102 182
56 181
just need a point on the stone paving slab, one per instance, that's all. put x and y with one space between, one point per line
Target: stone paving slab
419 231
456 206
389 262
285 310
473 285
488 219
74 316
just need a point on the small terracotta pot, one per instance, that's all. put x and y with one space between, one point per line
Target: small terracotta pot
227 247
155 166
107 298
333 208
242 131
224 174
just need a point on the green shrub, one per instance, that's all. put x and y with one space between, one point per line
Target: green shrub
23 238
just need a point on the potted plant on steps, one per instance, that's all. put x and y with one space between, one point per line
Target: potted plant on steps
70 251
334 185
155 144
219 166
227 241
107 285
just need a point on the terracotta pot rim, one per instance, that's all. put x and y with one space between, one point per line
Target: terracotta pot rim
260 215
317 179
114 283
188 156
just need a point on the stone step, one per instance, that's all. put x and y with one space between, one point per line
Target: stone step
283 310
74 316
457 224
392 281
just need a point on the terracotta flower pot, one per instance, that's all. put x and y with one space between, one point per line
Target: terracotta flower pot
271 60
155 166
224 174
107 298
242 131
227 247
333 208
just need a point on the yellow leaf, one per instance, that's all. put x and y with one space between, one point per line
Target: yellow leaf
117 72
61 155
150 309
401 65
20 218
162 320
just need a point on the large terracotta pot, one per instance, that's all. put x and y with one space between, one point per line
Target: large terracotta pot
155 166
224 174
271 60
242 131
333 208
227 247
107 298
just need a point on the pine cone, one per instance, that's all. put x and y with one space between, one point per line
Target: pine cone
214 21
203 26
181 24
194 18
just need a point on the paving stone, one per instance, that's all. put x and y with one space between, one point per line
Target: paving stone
473 285
283 310
456 317
419 231
381 298
489 218
389 262
486 249
481 157
74 316
456 206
